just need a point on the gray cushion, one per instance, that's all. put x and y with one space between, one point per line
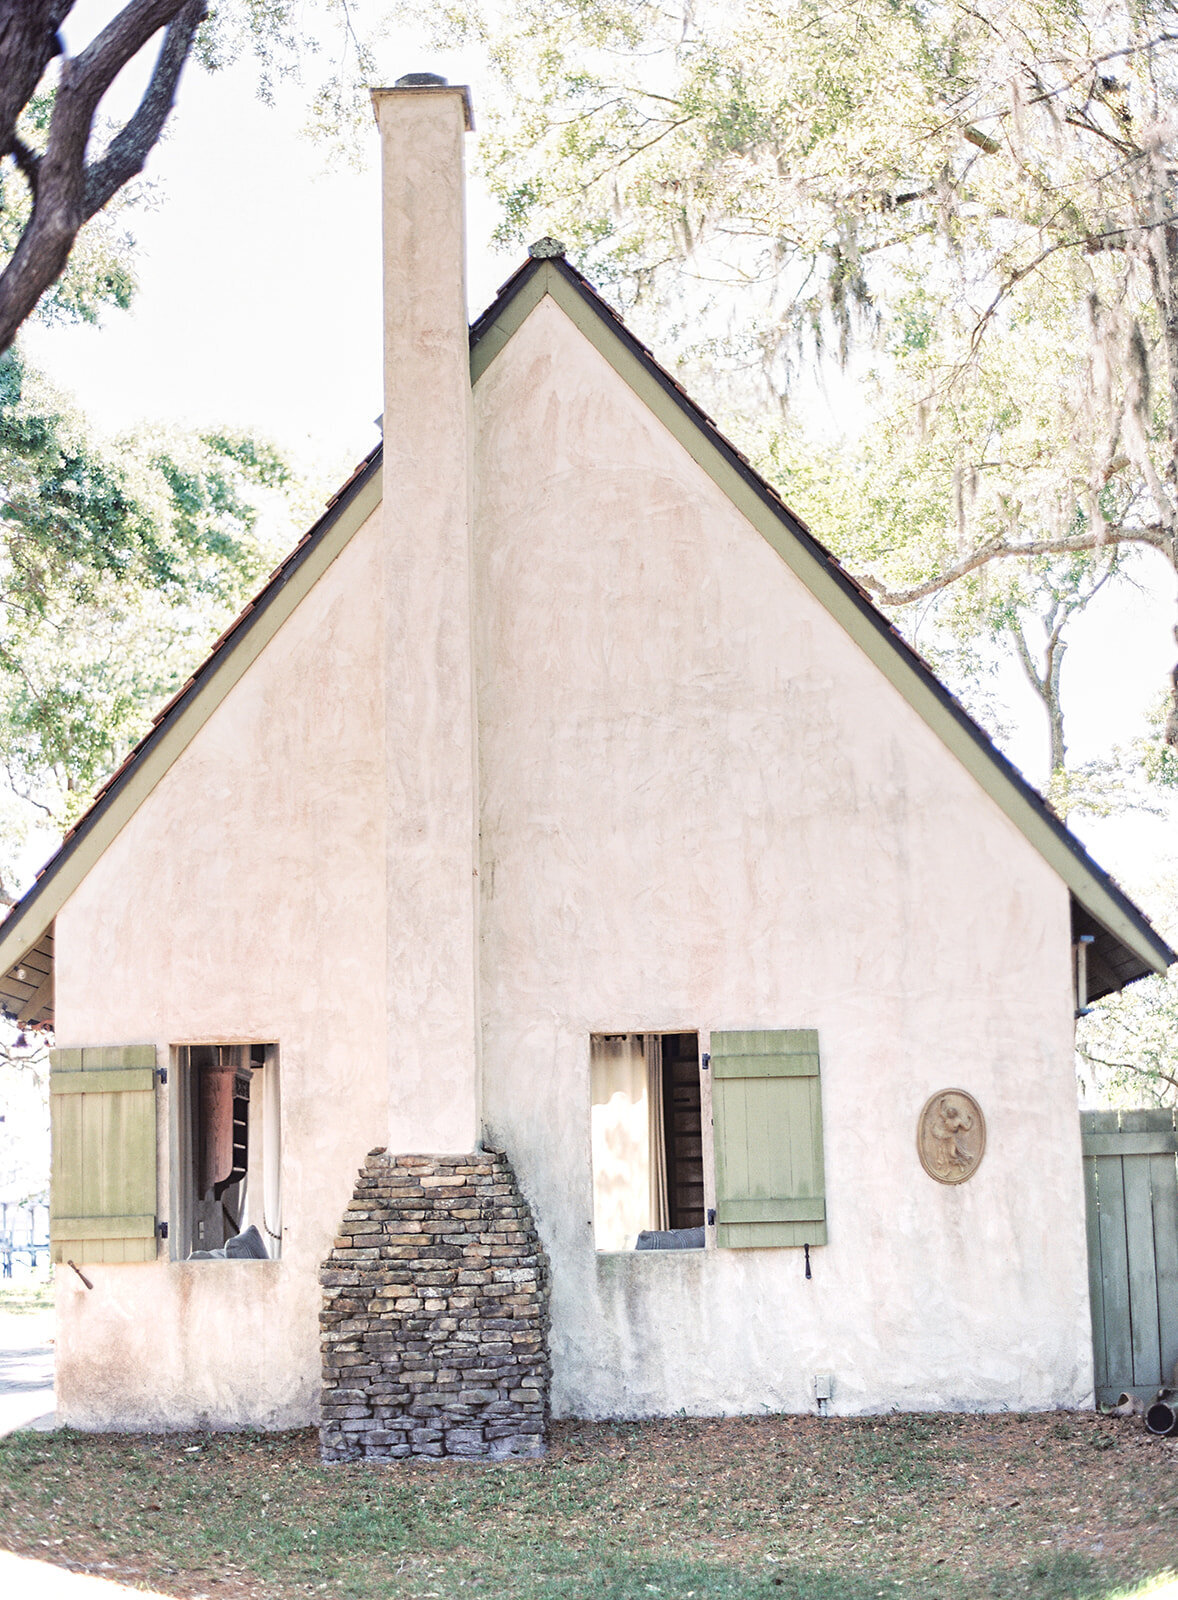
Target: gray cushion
246 1246
671 1239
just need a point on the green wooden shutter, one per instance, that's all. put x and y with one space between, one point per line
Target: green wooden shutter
102 1204
767 1112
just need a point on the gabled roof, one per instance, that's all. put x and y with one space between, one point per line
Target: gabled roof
1124 945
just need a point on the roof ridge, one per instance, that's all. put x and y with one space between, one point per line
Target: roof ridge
765 491
858 593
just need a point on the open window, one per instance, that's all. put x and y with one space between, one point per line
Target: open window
228 1164
765 1106
647 1138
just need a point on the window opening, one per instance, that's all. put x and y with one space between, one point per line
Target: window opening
682 1119
229 1166
647 1140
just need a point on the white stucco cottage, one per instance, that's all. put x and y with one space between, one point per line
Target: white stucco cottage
560 796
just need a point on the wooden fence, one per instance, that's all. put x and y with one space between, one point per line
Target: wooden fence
1131 1187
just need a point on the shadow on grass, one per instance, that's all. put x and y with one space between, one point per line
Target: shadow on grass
533 1575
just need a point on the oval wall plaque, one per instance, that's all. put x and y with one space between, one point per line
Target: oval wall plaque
951 1136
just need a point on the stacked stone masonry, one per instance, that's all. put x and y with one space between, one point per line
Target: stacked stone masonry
435 1319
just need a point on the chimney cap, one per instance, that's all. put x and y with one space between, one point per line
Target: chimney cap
546 249
425 83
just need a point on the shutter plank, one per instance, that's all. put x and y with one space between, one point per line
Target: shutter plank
817 1160
800 1173
109 1082
103 1184
768 1138
129 1227
65 1172
768 1171
769 1235
801 1210
1147 1143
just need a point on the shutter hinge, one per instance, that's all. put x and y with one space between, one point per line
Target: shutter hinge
161 1230
161 1075
711 1216
705 1061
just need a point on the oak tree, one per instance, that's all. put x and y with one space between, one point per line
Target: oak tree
973 205
68 183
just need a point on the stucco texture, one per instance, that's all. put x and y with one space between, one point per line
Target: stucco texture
704 808
432 810
701 807
245 901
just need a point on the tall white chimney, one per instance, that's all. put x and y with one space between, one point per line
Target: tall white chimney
430 716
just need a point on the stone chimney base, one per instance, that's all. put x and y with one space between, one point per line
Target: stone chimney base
435 1318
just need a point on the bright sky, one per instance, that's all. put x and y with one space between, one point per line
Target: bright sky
260 306
259 262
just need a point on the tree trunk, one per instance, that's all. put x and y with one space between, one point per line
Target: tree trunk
66 192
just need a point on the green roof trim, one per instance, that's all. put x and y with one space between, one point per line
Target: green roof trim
178 723
1142 949
1126 946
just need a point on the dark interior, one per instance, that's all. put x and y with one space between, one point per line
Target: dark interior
684 1130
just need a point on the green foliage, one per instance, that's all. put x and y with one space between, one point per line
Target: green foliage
1127 1047
119 563
964 204
100 271
1127 1050
1158 760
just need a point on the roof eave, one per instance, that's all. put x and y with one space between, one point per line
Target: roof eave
1099 895
176 724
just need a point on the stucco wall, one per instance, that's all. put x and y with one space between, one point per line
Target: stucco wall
245 900
703 807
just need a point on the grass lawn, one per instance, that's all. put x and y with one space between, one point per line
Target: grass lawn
26 1294
785 1508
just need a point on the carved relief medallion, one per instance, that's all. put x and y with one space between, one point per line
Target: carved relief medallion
951 1136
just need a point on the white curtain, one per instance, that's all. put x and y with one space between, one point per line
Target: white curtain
657 1134
263 1182
629 1151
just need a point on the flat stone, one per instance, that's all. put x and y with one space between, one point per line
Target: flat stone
435 1315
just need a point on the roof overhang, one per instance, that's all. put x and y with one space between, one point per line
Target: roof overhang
1124 945
26 935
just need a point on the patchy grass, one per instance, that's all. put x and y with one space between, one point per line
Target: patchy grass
1072 1507
26 1294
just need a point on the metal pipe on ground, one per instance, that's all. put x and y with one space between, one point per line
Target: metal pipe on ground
1161 1415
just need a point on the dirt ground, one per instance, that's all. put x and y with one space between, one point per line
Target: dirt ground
1044 1505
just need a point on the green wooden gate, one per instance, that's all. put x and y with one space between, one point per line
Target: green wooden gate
1131 1187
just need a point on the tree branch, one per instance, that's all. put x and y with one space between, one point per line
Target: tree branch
89 75
1027 661
1154 536
129 149
28 42
66 195
1078 119
1091 243
1127 1066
